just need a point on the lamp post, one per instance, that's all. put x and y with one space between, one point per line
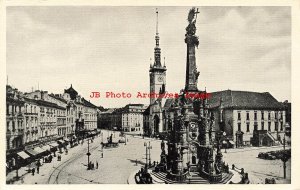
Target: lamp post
88 154
149 147
102 144
224 135
146 167
284 159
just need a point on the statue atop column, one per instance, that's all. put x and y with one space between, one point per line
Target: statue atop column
191 40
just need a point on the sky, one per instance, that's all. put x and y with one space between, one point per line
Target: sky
108 49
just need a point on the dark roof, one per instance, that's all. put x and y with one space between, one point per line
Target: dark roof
169 103
88 104
56 96
73 93
147 111
43 103
244 100
49 104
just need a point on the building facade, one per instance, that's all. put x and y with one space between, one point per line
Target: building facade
248 118
37 119
14 124
128 119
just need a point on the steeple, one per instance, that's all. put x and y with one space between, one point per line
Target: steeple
157 61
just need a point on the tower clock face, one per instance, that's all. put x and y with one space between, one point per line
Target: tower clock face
193 131
160 79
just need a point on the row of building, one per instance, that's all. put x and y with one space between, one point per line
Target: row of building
240 114
37 118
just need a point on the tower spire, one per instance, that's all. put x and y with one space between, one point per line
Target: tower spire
157 61
156 21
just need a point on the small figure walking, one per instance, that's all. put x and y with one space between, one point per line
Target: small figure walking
32 171
38 170
97 165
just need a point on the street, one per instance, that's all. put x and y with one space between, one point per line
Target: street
118 163
258 169
115 166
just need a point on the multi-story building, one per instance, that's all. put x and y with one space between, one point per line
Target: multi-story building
32 128
105 119
80 111
14 124
52 115
36 119
128 119
132 118
248 118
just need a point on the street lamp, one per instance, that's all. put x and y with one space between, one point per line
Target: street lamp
148 147
224 135
88 154
145 144
102 144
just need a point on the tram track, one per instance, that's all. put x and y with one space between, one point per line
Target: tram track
58 169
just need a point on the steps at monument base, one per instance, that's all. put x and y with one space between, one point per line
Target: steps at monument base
162 176
194 178
226 177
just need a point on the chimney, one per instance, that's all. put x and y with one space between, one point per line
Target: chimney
42 95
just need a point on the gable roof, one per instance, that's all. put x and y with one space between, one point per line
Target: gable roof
244 100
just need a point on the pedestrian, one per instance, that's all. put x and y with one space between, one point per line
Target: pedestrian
32 171
97 164
38 170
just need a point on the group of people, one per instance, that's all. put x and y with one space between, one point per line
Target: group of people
92 165
37 164
48 159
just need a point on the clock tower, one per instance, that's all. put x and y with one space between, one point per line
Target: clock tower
157 74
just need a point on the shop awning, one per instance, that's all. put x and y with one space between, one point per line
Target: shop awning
39 150
23 155
32 152
54 144
231 142
46 147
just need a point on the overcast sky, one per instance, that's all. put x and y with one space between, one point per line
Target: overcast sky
109 49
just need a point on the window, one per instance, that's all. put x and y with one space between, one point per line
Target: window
255 115
276 126
262 115
269 126
276 115
13 126
248 116
262 126
239 115
239 126
248 127
281 126
7 125
269 115
255 126
7 109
